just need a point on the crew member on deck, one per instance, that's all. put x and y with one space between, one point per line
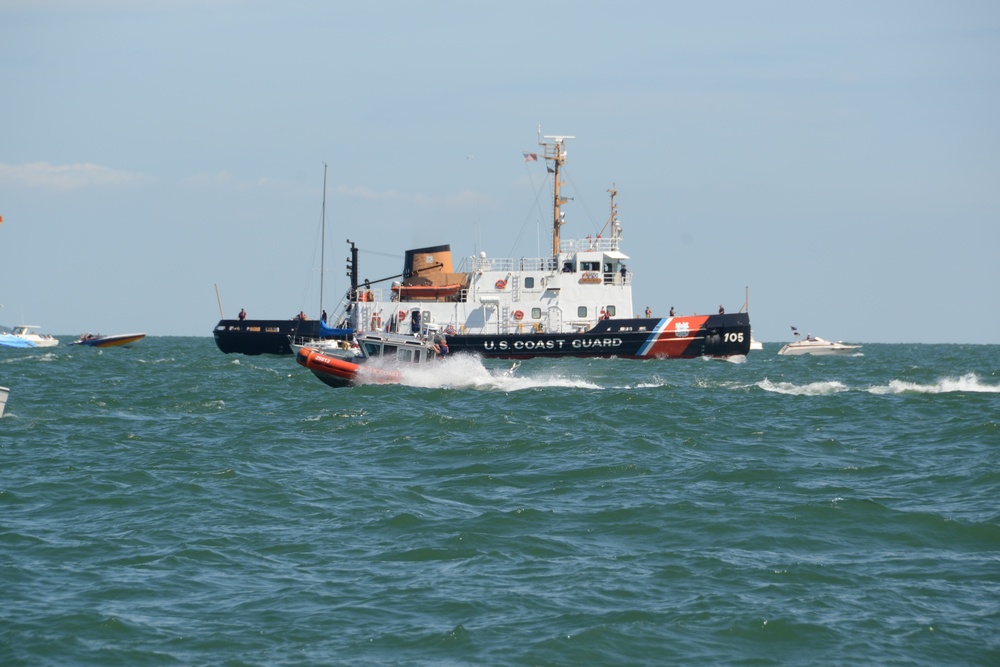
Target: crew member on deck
722 311
242 315
441 346
649 313
671 311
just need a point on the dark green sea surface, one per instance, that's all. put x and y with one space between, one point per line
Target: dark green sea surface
171 505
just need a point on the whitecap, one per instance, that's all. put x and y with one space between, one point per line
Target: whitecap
812 389
969 382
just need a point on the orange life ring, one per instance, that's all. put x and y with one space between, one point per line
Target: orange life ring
402 315
501 284
518 315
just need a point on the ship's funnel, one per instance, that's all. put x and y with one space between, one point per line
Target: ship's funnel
425 262
428 275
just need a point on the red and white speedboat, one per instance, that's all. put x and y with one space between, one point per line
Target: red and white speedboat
382 359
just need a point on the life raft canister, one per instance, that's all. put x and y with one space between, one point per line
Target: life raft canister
518 315
501 284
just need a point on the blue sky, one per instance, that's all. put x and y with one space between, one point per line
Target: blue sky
842 160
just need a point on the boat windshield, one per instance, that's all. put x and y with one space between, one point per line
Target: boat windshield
374 349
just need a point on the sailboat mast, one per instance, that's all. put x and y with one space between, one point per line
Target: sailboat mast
556 152
322 246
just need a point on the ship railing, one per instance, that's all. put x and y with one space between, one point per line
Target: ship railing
370 294
539 264
507 264
590 244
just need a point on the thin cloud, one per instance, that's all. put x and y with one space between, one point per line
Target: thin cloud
66 176
361 192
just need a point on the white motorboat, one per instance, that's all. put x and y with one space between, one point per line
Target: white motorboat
24 332
816 345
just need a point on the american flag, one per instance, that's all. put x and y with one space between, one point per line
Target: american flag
530 157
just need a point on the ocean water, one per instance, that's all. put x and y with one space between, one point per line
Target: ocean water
171 505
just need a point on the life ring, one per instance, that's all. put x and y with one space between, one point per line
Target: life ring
518 315
501 284
402 315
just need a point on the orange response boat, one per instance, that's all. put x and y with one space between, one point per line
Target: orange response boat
381 359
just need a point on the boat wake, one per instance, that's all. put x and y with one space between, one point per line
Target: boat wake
468 372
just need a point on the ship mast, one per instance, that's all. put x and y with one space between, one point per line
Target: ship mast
613 221
322 246
556 152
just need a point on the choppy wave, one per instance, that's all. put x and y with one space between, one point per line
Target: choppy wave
823 388
969 382
174 505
